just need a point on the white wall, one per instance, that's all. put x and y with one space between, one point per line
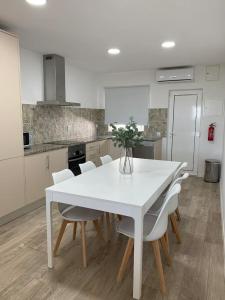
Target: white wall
159 95
222 193
80 84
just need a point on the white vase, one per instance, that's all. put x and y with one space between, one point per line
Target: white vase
126 161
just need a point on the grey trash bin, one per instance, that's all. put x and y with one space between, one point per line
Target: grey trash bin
212 170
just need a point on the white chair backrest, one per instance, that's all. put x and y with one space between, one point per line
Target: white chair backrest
180 169
106 159
89 165
161 223
178 180
59 177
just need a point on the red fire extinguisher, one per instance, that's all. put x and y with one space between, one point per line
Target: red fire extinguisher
211 131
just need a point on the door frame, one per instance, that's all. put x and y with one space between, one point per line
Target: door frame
172 94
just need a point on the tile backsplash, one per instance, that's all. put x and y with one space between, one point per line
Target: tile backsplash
157 122
52 123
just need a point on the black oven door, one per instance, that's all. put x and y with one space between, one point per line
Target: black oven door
74 164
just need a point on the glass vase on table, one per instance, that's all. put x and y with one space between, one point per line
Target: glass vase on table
126 161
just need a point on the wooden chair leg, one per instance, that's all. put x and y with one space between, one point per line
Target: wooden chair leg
165 250
178 214
97 228
126 256
84 246
74 230
108 226
175 227
61 232
166 235
155 245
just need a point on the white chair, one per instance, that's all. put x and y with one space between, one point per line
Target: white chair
87 166
106 159
75 214
179 170
156 208
158 204
154 230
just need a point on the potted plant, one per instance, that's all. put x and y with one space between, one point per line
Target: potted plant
126 138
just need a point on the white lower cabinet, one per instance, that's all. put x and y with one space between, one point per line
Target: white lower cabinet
95 150
11 185
38 172
101 148
114 151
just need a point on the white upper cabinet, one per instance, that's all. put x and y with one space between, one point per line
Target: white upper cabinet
10 103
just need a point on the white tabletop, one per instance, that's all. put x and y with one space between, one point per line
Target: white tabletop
106 183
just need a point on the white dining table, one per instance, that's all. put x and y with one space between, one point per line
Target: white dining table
105 189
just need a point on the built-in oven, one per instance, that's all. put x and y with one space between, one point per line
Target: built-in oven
26 139
76 156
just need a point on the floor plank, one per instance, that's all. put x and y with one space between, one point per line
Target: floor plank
197 272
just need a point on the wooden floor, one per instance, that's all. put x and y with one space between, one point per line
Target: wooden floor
196 273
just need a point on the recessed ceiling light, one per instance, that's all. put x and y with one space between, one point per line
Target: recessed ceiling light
168 44
114 51
37 2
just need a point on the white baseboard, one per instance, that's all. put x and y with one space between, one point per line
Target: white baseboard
222 205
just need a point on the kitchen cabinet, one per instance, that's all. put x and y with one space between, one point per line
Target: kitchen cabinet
11 110
104 147
11 128
114 151
11 185
149 149
58 160
95 150
158 149
38 172
93 153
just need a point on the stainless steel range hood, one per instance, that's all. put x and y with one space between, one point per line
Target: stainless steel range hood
54 81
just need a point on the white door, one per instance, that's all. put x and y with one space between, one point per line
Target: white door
184 126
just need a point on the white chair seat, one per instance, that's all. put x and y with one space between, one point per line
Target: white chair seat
126 226
78 214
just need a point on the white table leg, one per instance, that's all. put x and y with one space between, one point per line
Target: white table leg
49 228
138 252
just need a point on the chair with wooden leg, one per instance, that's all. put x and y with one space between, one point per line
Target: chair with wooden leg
179 171
106 159
174 211
88 166
155 229
155 209
75 215
178 180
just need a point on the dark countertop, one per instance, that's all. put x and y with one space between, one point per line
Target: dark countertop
55 145
152 139
40 148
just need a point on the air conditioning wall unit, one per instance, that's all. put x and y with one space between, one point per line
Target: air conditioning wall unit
175 74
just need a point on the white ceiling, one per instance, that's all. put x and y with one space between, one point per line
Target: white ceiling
83 30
